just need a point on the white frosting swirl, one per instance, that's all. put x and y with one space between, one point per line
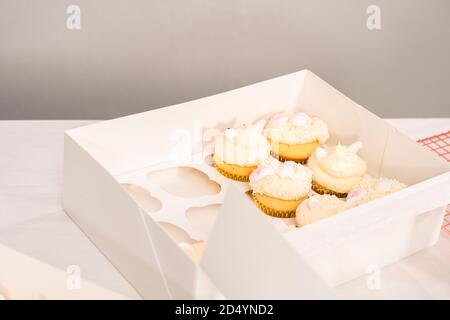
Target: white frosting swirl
370 188
283 180
316 208
339 168
243 146
296 128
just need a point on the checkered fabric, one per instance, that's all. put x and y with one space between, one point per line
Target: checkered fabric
440 144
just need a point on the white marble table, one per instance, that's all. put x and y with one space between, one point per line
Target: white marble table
32 221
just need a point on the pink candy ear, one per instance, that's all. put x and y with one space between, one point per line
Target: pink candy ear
320 153
355 147
356 194
383 185
286 169
254 175
259 173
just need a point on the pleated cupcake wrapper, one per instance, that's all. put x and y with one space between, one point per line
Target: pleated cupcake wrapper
284 159
322 190
232 176
272 212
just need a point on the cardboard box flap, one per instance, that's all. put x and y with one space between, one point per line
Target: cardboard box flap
181 273
115 227
410 162
248 259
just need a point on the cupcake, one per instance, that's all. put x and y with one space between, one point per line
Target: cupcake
238 151
295 136
317 208
194 251
370 188
279 187
337 170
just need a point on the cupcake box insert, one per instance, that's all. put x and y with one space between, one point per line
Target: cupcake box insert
138 185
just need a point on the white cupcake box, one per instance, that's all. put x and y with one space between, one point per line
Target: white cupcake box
161 157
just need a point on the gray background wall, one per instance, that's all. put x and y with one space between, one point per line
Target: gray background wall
134 55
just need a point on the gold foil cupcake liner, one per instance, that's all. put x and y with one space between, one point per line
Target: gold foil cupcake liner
322 190
272 212
232 176
284 159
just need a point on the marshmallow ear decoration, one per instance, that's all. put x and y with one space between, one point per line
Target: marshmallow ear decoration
300 119
383 185
260 173
353 198
230 133
320 153
314 203
355 147
286 169
356 194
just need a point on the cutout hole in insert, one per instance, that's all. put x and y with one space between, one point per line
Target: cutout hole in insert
203 217
143 197
176 233
184 182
